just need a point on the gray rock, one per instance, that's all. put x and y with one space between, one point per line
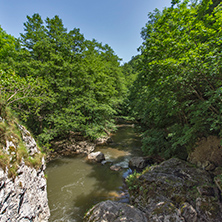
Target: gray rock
188 212
103 140
109 211
218 182
210 167
137 163
178 191
165 211
96 157
24 198
29 141
71 146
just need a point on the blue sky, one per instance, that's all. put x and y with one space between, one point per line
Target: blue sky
114 22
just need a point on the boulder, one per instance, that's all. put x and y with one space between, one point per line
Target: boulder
137 163
176 190
109 211
115 168
96 157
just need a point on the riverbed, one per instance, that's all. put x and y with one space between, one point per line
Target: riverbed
74 185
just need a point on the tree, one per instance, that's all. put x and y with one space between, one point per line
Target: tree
8 46
177 93
84 79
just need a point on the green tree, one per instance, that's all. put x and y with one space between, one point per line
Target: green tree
177 93
84 79
8 47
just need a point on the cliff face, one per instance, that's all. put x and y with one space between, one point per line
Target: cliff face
24 198
23 193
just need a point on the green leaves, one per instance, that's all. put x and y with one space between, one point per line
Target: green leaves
176 92
84 79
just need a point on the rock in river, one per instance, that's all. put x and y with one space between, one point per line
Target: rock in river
96 157
137 163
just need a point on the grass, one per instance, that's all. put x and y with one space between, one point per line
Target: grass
17 150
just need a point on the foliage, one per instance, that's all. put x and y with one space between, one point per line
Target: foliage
132 181
8 46
24 95
177 95
15 90
130 70
84 80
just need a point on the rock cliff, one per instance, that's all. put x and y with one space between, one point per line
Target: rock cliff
23 193
176 190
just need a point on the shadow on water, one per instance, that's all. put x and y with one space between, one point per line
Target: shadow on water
108 186
75 185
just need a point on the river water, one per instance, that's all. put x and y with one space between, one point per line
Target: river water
74 185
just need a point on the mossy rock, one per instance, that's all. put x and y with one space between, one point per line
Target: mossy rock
173 183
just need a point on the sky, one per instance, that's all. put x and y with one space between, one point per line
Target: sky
117 23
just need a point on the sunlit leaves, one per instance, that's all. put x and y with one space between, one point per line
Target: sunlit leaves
177 89
84 78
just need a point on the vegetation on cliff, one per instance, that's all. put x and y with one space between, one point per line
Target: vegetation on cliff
13 148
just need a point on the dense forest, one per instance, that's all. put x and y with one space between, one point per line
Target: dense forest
177 93
58 82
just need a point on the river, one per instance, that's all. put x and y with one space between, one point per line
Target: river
74 185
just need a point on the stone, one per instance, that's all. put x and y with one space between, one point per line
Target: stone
24 198
103 140
206 190
188 212
169 212
96 157
218 182
29 141
176 190
115 168
208 166
109 211
137 163
72 145
217 171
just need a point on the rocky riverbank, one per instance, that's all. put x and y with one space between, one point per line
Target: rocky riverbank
174 190
74 144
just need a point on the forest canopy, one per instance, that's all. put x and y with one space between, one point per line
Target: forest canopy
58 82
80 82
177 93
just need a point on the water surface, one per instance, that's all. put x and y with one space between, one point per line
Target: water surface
74 185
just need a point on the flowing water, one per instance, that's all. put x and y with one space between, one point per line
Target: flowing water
74 185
